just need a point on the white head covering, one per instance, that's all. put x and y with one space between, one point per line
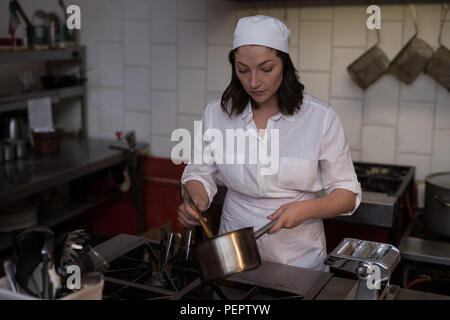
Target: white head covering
262 30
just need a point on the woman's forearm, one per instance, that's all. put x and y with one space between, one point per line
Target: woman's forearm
339 201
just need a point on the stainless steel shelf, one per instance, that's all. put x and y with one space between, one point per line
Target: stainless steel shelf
66 54
54 218
19 101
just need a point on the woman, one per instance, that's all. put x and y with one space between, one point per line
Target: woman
265 95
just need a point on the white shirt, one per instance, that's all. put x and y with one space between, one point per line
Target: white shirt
314 155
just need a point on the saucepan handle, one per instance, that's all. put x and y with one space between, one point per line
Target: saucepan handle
265 228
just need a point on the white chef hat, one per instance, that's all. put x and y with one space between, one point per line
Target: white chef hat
262 30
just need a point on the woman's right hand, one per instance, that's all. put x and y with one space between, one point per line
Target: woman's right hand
186 214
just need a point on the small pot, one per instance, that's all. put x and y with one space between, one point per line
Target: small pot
230 253
437 203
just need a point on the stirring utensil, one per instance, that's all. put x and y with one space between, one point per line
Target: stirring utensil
202 221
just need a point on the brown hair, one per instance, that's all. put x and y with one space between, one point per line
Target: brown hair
290 93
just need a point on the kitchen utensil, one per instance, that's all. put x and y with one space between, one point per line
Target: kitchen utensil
166 252
370 66
437 203
22 13
229 253
34 251
10 271
9 150
14 130
372 262
176 244
412 59
21 149
188 244
162 245
439 65
191 202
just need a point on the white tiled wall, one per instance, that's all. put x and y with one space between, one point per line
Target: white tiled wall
154 65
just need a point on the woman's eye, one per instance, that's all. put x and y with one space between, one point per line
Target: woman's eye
267 70
242 71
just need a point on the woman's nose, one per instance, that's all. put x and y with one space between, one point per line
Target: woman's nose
254 81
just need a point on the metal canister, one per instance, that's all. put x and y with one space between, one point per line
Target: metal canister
9 153
21 149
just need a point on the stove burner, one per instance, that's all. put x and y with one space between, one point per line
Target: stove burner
134 273
380 178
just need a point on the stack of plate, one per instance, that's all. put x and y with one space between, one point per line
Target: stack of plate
19 215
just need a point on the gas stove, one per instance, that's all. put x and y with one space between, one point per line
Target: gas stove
426 257
134 273
385 188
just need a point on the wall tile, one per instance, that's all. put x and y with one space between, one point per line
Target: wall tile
161 146
428 17
356 155
316 13
342 86
390 38
415 127
137 43
164 21
164 112
441 151
187 122
111 110
192 44
350 113
218 73
442 120
191 94
192 9
110 65
137 86
315 47
221 22
164 67
109 18
422 163
295 57
140 123
381 102
423 89
210 96
136 9
349 26
378 144
316 84
391 12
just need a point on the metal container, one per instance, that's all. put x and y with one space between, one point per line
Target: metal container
9 152
413 58
437 203
370 66
21 149
439 65
229 253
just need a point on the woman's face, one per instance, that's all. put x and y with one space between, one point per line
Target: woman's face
260 71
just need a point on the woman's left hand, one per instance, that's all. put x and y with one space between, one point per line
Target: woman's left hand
290 215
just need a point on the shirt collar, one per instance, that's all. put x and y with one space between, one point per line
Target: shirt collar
247 114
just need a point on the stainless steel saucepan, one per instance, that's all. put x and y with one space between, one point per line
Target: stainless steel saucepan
227 254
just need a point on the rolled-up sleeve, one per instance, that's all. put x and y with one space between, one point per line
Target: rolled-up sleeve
206 173
335 161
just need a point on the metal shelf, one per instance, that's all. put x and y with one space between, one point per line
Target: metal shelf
54 218
66 54
19 101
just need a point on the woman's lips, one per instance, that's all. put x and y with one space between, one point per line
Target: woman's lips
258 93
